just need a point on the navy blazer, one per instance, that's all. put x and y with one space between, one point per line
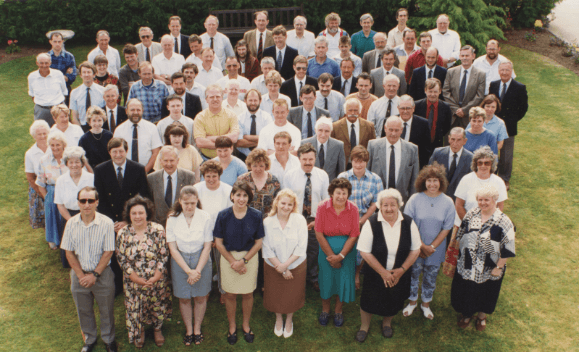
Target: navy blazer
121 117
514 105
441 155
416 88
289 88
337 86
192 106
420 135
287 68
443 121
185 49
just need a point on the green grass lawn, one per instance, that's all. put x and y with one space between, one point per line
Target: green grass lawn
536 311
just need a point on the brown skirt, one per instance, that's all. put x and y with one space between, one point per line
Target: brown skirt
281 295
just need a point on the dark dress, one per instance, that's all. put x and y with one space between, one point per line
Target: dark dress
95 146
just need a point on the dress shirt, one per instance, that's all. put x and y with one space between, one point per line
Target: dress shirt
244 86
395 37
239 108
148 138
49 90
397 157
190 238
305 122
207 77
262 119
408 127
89 242
283 243
151 97
207 124
184 120
377 111
469 70
78 99
364 189
72 134
400 51
333 41
277 51
123 167
304 45
263 35
348 87
448 44
267 104
221 46
259 84
198 62
492 71
174 195
362 44
296 181
391 236
335 104
268 132
115 115
330 66
357 63
299 86
66 191
164 66
508 83
32 158
199 90
451 155
356 131
63 62
178 37
278 171
113 57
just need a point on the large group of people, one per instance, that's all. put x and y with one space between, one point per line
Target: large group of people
288 159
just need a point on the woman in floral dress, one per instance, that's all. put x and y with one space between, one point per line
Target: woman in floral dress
142 253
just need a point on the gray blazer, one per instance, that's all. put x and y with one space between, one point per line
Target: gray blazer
409 165
157 187
377 76
369 61
155 49
335 158
295 116
474 94
442 155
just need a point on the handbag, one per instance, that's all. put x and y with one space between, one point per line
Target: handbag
451 256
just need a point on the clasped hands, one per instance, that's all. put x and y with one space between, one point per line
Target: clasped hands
391 277
194 276
335 261
282 269
88 280
239 267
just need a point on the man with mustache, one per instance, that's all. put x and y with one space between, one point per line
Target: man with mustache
333 33
490 63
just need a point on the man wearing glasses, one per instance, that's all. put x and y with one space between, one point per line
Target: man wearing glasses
293 86
147 48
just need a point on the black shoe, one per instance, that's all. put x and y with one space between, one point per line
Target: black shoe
111 347
232 338
249 336
88 347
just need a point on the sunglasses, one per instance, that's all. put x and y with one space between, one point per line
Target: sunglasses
485 163
301 68
145 36
84 200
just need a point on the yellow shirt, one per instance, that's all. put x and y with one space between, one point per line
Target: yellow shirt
207 124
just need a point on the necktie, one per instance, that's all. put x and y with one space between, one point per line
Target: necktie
113 124
301 86
308 197
260 47
120 176
392 170
353 137
87 103
343 90
253 128
430 74
310 127
147 55
135 145
388 113
503 91
379 63
322 156
169 192
211 44
404 131
279 62
176 46
462 88
432 122
452 167
326 103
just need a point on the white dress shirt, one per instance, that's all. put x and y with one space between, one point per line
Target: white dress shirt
304 45
267 104
115 115
469 70
397 159
148 138
123 167
448 44
49 90
450 156
335 104
298 87
206 78
113 57
72 134
348 87
408 127
66 191
239 108
296 181
221 46
184 120
492 71
78 99
190 238
283 243
174 194
214 201
178 37
198 62
278 171
164 66
356 130
377 111
263 35
244 86
262 119
268 132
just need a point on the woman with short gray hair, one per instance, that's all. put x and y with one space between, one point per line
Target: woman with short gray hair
39 131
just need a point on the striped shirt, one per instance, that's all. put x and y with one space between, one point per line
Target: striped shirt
364 190
89 242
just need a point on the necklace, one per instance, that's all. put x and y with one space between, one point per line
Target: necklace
98 139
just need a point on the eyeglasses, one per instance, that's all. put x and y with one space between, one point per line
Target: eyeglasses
145 36
301 68
89 200
484 163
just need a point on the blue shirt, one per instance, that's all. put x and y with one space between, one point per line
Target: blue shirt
239 234
364 190
496 126
63 62
78 99
330 66
475 141
235 168
151 97
362 44
305 123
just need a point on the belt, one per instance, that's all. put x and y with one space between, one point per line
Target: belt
48 107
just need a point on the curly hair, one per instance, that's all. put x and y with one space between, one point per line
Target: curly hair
211 166
138 200
340 183
435 170
258 155
484 152
286 192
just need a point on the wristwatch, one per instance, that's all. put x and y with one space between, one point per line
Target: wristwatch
245 261
97 275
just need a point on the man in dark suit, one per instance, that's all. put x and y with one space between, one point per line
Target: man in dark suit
347 77
378 74
165 193
282 54
260 37
117 181
330 156
304 117
436 111
192 104
292 87
373 58
116 114
181 41
514 106
415 129
352 130
421 74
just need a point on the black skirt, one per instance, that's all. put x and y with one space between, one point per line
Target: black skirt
380 300
468 297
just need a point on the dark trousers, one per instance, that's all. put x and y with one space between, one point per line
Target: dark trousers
312 254
506 159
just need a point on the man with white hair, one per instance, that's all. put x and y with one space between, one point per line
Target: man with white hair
267 65
208 74
363 41
394 159
446 40
322 63
116 114
147 49
165 184
167 62
373 58
333 32
490 62
301 39
329 99
386 106
218 42
232 101
111 53
353 130
232 67
46 87
330 155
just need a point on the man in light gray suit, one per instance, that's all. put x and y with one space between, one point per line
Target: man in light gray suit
147 44
464 87
455 159
330 156
370 58
166 184
394 159
388 59
304 117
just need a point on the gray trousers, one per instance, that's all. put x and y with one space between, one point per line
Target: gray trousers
103 291
312 253
506 159
41 113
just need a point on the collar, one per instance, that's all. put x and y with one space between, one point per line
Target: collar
462 69
173 175
508 83
276 223
398 219
458 154
389 71
123 167
428 103
108 110
409 122
396 145
51 52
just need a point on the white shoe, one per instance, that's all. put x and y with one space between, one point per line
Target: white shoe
287 333
409 309
427 312
277 332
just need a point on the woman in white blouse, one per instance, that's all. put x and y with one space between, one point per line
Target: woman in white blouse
39 131
61 115
189 235
284 252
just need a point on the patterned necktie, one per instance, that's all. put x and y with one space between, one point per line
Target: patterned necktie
113 124
308 197
147 55
120 176
176 46
392 170
504 91
404 131
88 103
353 137
462 90
211 44
279 62
135 145
322 156
326 103
169 192
260 47
452 167
310 127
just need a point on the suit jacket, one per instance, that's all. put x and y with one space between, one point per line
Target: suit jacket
295 116
157 187
474 94
192 106
443 121
155 49
416 87
441 155
112 197
337 86
249 37
334 159
185 49
420 135
369 61
341 132
408 165
377 76
121 117
287 68
514 105
288 88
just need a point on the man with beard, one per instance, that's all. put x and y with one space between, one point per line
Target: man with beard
150 92
191 103
490 63
363 87
373 58
190 71
196 45
141 135
353 130
421 74
418 59
329 99
248 64
251 123
333 33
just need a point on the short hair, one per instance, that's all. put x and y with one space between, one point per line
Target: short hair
441 15
133 100
366 16
168 149
468 47
344 40
88 189
494 41
280 102
306 148
188 190
435 170
43 56
406 97
260 12
279 30
324 120
177 75
243 43
190 65
360 153
195 38
87 64
38 124
378 35
101 59
282 134
138 200
273 77
169 38
56 34
425 35
332 16
58 109
267 60
57 135
390 78
74 153
353 100
325 77
212 17
319 40
95 111
300 59
145 29
366 76
145 64
507 62
340 183
256 156
301 18
214 86
253 90
390 51
286 192
390 193
477 111
116 142
408 30
393 118
112 87
223 142
457 130
211 166
242 186
231 82
484 152
101 32
347 60
430 83
401 10
207 49
176 129
173 97
307 89
489 99
487 190
175 18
